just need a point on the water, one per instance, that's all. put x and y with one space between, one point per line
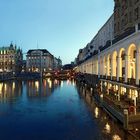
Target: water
53 110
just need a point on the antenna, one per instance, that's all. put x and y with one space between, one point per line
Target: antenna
37 44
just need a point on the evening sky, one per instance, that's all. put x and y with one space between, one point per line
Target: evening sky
60 26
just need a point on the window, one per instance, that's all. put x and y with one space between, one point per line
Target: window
136 13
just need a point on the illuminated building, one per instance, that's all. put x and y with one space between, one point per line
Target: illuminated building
39 60
113 55
10 59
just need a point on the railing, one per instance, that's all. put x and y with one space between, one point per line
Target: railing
121 79
109 77
114 78
131 81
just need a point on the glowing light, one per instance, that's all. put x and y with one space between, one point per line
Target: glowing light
116 137
116 87
105 84
101 95
37 85
96 112
124 89
73 83
13 86
62 83
108 128
48 74
136 93
50 83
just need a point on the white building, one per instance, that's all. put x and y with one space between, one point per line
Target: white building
39 60
101 40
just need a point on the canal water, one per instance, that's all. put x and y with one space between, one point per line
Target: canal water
53 110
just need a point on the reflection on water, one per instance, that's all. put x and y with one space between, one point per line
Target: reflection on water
10 89
42 87
107 128
52 109
111 129
96 112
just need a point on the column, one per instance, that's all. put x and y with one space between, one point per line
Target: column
113 68
127 67
107 68
119 67
137 67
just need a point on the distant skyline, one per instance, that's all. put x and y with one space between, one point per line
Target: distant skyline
60 26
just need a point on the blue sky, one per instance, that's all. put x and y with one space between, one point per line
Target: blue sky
60 26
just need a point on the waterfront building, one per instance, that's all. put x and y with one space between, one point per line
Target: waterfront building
116 58
10 59
39 60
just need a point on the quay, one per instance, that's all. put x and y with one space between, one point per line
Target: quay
112 99
109 65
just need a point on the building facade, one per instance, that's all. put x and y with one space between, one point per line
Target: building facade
39 60
126 16
101 40
113 72
10 59
116 63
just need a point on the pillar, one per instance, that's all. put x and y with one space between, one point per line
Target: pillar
113 68
127 67
137 67
107 68
119 67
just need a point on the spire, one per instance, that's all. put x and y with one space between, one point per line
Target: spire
11 45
